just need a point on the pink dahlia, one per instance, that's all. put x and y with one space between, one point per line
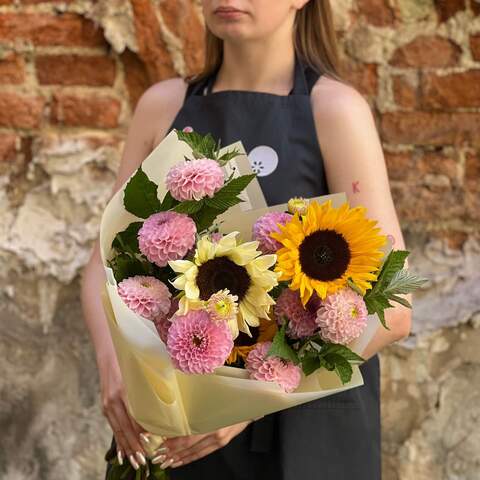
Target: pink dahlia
272 369
146 296
301 320
195 179
197 344
342 316
163 322
266 225
166 236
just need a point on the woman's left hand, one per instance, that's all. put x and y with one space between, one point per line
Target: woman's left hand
178 451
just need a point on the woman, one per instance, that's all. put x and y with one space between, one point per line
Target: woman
270 80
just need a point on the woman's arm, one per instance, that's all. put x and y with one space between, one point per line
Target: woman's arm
153 112
355 164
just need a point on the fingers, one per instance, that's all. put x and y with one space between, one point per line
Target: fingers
126 433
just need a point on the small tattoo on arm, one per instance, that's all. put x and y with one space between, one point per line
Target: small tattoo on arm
392 239
356 187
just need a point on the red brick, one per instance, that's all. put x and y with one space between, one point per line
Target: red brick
8 147
19 111
136 76
181 19
426 51
363 76
448 8
12 69
151 46
451 91
376 12
416 166
472 171
425 128
74 69
475 46
66 29
85 111
404 93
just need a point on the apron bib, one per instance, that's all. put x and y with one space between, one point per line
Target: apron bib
333 438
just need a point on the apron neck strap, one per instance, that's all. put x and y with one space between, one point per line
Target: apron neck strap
300 84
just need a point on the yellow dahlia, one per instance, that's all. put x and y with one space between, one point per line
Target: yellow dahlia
226 264
326 246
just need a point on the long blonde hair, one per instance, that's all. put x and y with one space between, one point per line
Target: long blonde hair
314 37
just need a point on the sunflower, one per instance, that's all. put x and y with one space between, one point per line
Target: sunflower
326 246
225 264
243 344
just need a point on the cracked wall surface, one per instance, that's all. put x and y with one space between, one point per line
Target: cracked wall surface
70 75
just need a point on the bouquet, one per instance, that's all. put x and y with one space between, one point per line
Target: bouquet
222 309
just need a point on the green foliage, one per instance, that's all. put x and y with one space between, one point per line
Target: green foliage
391 282
280 347
125 265
127 472
315 353
140 195
127 241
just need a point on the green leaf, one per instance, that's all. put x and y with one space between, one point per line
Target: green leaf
403 282
280 347
168 202
127 241
377 304
189 206
140 195
401 300
344 351
204 218
222 204
341 366
393 263
125 265
235 186
201 145
310 363
227 156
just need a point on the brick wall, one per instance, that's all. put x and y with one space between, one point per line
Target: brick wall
70 75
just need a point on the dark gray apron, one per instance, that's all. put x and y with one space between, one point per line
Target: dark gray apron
335 438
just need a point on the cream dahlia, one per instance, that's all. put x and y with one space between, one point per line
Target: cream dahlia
272 369
166 236
195 179
226 264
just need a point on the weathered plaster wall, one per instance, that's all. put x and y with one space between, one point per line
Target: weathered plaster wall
70 74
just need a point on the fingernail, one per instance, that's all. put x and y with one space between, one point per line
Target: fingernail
141 458
167 463
159 459
134 463
120 457
144 438
161 450
176 464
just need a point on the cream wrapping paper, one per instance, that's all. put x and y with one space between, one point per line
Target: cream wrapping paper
164 400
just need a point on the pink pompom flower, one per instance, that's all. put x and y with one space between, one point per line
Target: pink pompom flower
342 316
301 320
272 369
147 296
197 344
195 179
166 236
266 225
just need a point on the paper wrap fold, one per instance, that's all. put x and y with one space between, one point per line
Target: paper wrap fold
162 399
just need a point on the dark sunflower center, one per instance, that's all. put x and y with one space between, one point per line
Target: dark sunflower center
324 255
219 273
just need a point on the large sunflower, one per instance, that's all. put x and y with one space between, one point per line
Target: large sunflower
326 246
224 264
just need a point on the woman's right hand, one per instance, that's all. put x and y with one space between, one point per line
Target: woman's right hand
114 406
